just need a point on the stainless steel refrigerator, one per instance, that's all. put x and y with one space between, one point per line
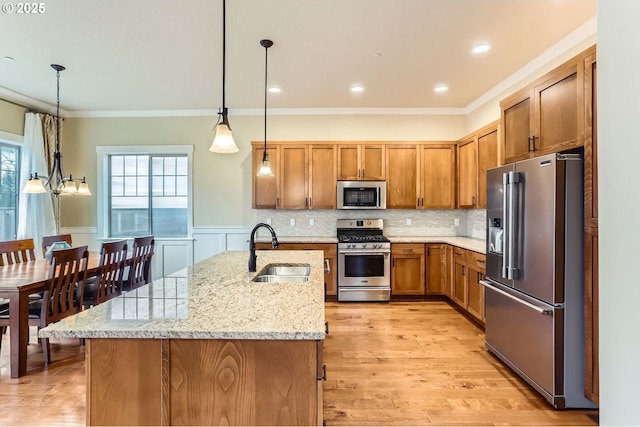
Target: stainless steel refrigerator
534 284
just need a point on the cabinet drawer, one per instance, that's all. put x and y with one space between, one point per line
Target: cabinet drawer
476 258
407 248
459 254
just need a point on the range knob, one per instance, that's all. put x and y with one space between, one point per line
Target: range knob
364 245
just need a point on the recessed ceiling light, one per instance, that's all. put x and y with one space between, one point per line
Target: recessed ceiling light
275 89
481 48
357 88
9 58
441 88
377 55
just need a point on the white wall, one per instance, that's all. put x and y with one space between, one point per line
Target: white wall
619 204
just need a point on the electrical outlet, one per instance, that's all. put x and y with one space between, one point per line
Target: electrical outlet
456 222
292 222
408 221
312 221
268 221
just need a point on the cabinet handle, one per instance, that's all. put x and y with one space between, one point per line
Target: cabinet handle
422 200
277 201
326 328
473 200
533 140
418 202
362 172
463 273
324 373
327 266
407 249
480 261
428 249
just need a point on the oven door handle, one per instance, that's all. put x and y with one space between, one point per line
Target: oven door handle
365 252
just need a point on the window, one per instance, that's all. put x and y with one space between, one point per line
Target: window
147 192
9 190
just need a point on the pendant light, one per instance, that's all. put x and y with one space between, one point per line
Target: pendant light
223 140
265 165
58 183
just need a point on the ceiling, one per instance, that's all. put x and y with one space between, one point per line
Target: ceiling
166 55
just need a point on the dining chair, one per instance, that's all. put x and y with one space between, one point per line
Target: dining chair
139 272
108 282
16 251
63 298
50 240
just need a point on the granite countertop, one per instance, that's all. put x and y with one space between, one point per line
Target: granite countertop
476 245
213 299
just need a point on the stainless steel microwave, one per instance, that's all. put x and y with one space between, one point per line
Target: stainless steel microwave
362 195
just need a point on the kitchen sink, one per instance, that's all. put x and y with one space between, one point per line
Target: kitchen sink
280 279
285 272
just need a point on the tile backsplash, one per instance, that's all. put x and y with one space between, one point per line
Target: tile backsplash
434 222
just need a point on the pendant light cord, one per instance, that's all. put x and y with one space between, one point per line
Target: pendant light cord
266 50
224 55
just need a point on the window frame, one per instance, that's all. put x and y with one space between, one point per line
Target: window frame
104 200
15 141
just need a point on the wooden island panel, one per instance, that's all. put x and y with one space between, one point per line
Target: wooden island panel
202 382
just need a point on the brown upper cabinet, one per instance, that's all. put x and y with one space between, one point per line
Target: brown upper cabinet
477 152
265 188
546 116
361 162
304 176
421 176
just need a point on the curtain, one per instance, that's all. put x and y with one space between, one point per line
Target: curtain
35 211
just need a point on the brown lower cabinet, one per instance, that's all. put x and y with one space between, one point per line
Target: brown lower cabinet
204 382
417 269
467 292
330 262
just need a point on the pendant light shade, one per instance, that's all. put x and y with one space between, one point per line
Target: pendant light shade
265 165
223 140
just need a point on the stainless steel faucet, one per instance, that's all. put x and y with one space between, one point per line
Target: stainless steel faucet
252 243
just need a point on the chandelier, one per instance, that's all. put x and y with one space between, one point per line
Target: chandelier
57 182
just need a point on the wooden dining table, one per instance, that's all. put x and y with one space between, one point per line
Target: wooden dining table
17 282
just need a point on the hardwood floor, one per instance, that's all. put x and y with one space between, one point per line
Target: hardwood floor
423 363
387 364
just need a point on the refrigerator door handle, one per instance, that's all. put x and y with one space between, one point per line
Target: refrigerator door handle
512 270
508 295
506 225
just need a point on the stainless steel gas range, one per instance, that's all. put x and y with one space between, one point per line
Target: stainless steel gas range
364 261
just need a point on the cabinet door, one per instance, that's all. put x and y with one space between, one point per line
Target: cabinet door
322 177
459 291
475 292
556 117
517 113
467 174
448 270
590 144
402 177
348 162
407 269
438 183
372 162
591 319
265 188
487 159
435 269
294 177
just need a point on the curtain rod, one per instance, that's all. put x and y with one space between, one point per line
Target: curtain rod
29 108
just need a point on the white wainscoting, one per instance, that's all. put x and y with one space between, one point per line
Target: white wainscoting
172 254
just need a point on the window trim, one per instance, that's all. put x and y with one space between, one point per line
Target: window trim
12 140
102 190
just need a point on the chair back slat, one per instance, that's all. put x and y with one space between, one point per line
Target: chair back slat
50 240
113 256
140 267
67 275
16 251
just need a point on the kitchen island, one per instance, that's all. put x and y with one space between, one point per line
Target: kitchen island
207 346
